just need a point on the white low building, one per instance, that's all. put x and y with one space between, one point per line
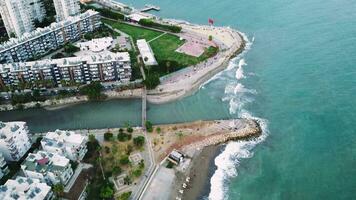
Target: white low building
65 143
146 53
23 188
48 167
14 140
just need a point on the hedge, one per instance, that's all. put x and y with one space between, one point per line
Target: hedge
150 23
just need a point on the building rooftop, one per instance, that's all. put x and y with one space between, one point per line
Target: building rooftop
9 129
42 31
146 52
24 188
58 138
42 162
96 45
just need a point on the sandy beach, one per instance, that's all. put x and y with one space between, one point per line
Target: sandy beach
200 173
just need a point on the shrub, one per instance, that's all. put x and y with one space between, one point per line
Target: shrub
108 136
139 141
93 91
124 160
125 196
210 38
127 180
122 137
107 149
70 48
129 129
170 165
149 126
152 81
150 23
137 172
116 170
121 130
106 191
142 164
158 130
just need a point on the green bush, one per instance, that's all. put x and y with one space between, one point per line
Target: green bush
149 126
139 141
170 165
129 129
106 191
116 170
105 12
151 81
108 136
122 137
137 172
150 23
93 91
124 160
70 48
124 196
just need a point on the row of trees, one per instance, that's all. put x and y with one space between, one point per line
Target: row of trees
151 23
138 141
108 13
93 91
27 97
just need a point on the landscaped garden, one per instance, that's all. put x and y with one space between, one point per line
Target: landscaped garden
163 47
111 159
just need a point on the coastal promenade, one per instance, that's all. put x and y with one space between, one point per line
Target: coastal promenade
184 82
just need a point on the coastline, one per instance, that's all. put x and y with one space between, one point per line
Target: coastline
200 142
185 82
201 172
175 86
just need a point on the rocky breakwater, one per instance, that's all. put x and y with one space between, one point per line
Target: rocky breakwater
239 129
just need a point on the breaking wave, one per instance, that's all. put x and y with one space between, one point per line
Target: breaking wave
237 95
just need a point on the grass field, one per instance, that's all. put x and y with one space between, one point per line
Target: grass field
164 47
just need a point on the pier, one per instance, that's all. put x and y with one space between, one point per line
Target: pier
149 7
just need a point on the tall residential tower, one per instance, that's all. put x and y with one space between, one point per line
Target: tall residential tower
66 8
19 15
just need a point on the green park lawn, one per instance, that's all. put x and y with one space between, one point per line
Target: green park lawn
163 47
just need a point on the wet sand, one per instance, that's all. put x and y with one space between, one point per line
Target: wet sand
200 173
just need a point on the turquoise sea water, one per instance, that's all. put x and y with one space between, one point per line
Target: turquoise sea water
300 77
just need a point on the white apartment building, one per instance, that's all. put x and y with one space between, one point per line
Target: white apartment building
19 15
3 166
48 167
65 143
14 140
103 67
44 40
24 188
66 8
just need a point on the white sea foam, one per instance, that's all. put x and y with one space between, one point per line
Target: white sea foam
233 62
240 72
227 162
